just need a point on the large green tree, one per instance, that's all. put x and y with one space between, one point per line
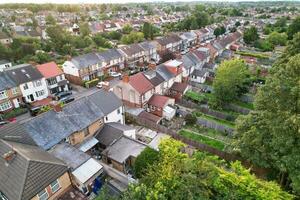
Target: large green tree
232 79
293 28
177 176
250 35
270 135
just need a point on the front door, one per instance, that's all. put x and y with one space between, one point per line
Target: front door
31 97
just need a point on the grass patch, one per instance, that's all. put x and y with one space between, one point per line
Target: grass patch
247 105
256 55
194 96
217 120
202 139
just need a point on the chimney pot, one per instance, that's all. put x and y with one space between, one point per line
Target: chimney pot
9 155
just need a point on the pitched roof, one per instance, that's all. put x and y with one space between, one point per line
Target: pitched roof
163 71
30 170
110 54
158 100
148 116
179 87
140 82
86 60
6 82
132 49
48 129
23 73
49 70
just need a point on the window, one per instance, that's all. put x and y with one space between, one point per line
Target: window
2 196
55 186
25 86
37 83
5 106
43 195
106 118
14 91
40 93
51 81
3 94
118 111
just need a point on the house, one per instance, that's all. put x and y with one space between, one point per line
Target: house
55 78
156 80
134 55
5 39
122 153
188 67
111 132
135 90
200 75
73 123
10 94
171 43
83 68
113 60
161 106
29 173
84 170
4 64
30 81
150 51
177 90
175 67
189 39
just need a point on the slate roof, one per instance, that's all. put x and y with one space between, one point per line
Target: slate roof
29 172
48 129
86 60
132 49
164 72
23 73
200 72
111 132
110 54
140 82
147 45
6 82
157 79
187 62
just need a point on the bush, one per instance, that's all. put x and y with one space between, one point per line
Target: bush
190 119
14 113
91 83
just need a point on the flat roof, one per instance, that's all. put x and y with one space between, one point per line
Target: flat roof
87 170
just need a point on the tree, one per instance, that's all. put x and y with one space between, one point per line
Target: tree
132 37
175 175
50 20
148 30
263 45
237 24
250 35
101 41
147 158
231 81
127 29
190 119
276 38
84 29
269 135
293 28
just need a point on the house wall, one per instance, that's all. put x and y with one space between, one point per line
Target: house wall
5 65
115 116
33 89
118 166
65 184
13 97
127 94
69 68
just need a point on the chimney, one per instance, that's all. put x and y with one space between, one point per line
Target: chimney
9 155
126 78
55 105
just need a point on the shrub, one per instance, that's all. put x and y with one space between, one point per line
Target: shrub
14 113
190 119
91 83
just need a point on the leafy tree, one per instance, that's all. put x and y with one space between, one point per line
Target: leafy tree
84 29
127 29
50 20
237 24
148 30
293 28
276 38
264 45
147 158
219 31
132 37
177 176
231 81
42 57
269 135
190 119
250 35
101 41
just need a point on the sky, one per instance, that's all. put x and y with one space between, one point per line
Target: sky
105 1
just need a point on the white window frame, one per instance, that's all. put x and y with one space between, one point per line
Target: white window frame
44 195
5 106
14 90
3 94
56 184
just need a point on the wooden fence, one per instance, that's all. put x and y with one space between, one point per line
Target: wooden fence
214 125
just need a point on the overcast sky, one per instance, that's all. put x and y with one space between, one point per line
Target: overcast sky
103 1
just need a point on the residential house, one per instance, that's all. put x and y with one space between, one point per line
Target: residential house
171 43
83 68
113 60
134 55
177 90
5 39
4 64
10 93
30 81
73 123
135 90
156 80
122 153
112 132
84 170
161 106
150 51
189 39
200 75
188 67
28 172
55 78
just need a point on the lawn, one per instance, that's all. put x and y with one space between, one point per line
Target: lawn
217 120
249 106
194 96
252 54
202 139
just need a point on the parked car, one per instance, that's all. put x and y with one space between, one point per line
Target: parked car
62 95
115 74
2 123
67 99
34 111
101 84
